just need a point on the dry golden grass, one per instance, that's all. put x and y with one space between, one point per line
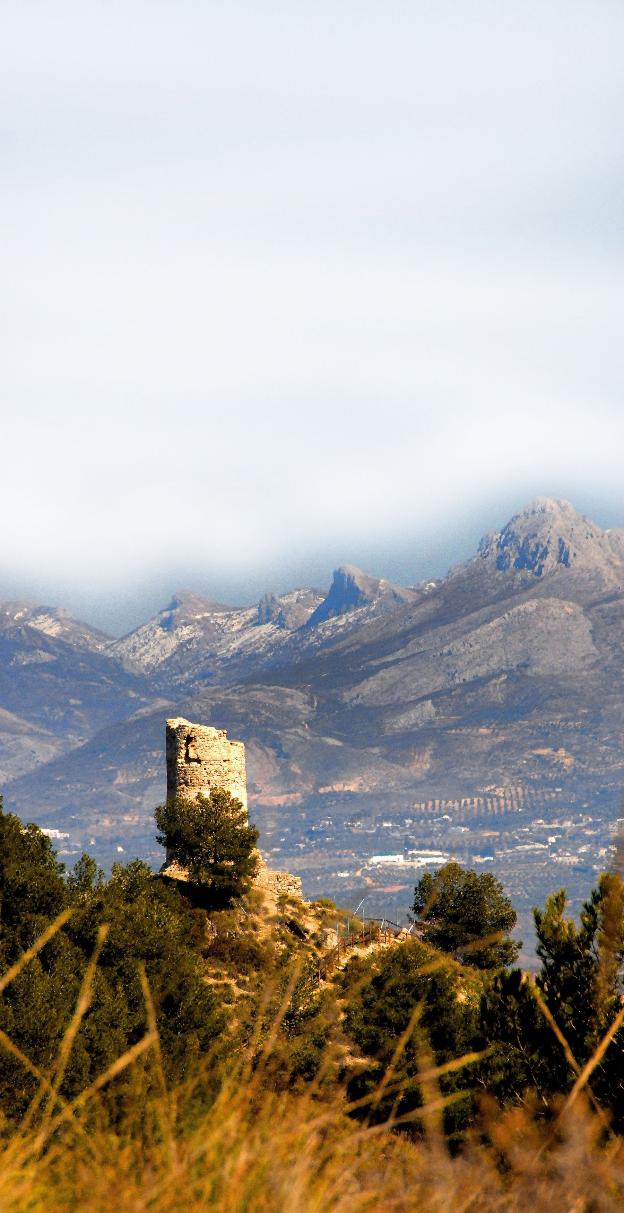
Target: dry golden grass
290 1154
258 1151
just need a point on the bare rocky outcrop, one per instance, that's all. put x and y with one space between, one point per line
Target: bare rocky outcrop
289 612
548 535
351 589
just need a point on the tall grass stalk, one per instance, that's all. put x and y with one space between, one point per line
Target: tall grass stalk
276 1154
254 1149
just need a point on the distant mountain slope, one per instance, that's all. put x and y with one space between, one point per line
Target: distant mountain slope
24 746
58 679
196 641
195 638
53 622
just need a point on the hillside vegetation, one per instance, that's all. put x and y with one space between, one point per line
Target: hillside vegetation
275 1055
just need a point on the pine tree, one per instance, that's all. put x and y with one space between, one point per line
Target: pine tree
468 914
211 839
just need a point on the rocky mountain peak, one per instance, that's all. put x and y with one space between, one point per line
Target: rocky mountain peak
288 612
352 588
57 623
185 606
547 535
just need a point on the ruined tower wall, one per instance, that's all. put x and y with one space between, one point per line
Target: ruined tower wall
200 758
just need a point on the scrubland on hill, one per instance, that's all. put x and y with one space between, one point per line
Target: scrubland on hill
258 1054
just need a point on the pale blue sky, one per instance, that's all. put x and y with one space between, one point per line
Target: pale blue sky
288 284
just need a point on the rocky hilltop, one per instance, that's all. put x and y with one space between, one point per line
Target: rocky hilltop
479 715
550 535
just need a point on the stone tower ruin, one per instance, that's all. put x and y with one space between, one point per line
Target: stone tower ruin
200 758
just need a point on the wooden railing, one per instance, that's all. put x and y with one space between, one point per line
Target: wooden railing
372 930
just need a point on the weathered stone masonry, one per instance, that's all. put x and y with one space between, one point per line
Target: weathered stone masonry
200 758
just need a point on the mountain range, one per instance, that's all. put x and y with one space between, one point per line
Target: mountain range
479 715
